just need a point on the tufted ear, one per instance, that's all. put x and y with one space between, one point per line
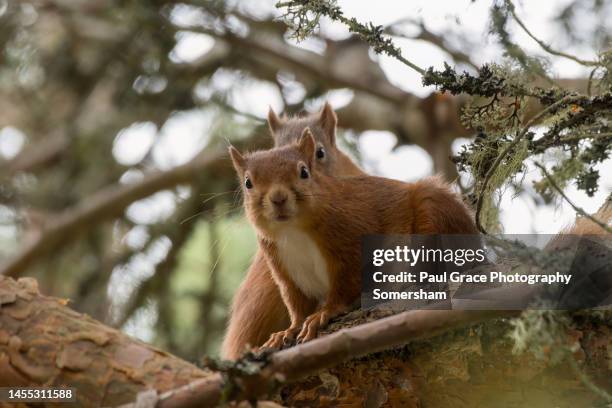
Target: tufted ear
307 144
328 122
274 123
238 159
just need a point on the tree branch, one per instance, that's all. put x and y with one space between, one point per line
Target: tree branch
306 359
542 44
113 200
579 210
308 62
43 342
38 155
435 39
106 203
509 147
298 15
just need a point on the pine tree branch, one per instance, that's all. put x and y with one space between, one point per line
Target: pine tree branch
43 342
297 362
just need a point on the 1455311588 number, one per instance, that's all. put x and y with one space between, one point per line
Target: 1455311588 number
37 394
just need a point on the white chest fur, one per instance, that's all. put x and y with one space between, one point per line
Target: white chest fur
304 262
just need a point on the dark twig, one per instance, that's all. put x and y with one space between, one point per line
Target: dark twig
590 81
587 381
542 44
579 210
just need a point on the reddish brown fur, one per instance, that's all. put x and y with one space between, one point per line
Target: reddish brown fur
323 128
335 213
257 308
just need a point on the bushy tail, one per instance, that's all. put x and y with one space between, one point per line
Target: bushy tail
439 210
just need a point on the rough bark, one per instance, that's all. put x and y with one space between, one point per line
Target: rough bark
43 342
473 367
300 361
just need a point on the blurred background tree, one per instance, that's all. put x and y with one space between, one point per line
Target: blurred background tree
115 191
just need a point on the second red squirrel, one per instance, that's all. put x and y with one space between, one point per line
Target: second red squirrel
310 224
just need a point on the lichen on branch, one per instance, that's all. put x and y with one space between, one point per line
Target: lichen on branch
303 16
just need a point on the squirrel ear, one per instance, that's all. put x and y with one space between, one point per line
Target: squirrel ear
237 159
274 123
307 144
328 122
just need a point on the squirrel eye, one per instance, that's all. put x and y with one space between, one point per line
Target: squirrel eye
248 183
304 172
320 153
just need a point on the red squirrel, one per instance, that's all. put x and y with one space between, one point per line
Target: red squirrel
310 224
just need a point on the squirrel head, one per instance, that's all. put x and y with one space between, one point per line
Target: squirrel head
328 158
278 184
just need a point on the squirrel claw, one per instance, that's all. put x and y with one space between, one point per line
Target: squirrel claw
312 324
282 338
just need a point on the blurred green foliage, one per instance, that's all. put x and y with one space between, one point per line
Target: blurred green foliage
203 272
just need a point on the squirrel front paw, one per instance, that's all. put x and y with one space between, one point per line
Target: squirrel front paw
281 338
314 322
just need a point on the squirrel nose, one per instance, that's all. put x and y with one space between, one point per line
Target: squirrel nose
278 198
